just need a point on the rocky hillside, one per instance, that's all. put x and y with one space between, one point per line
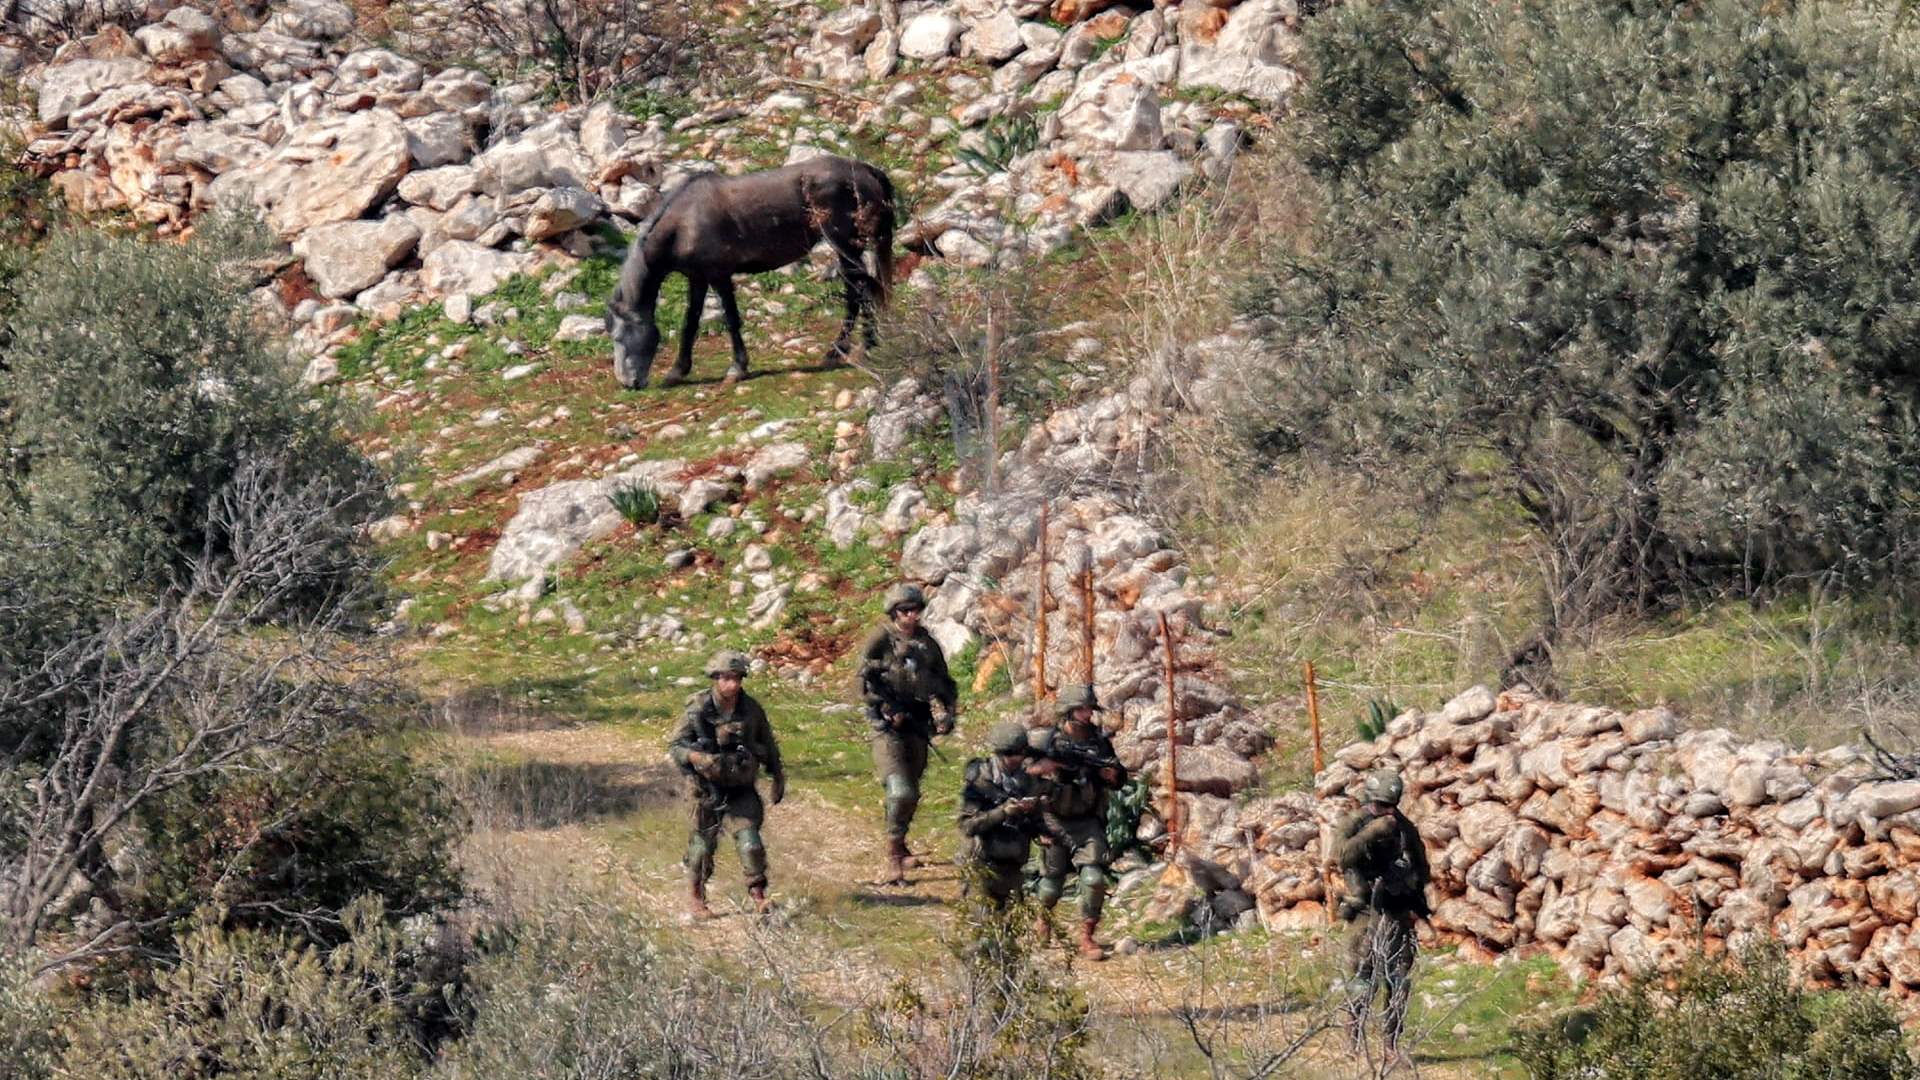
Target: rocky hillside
396 183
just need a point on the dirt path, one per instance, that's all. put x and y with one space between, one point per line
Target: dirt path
605 812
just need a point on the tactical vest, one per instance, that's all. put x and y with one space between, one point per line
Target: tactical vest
908 674
734 765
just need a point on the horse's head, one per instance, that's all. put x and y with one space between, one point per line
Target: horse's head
635 340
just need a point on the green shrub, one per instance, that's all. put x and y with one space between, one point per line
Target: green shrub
245 1003
1722 1016
1642 272
289 845
29 1046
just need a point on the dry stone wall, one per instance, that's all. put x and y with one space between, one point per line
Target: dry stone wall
1616 842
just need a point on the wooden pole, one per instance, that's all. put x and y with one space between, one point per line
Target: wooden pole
992 419
1086 616
1040 693
1313 721
1173 744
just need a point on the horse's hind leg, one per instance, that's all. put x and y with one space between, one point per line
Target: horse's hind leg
730 308
689 330
861 289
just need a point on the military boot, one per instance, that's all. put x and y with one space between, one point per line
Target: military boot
1089 948
697 901
896 871
760 902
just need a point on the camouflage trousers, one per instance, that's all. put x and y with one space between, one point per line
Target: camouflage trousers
900 760
734 810
1001 880
1380 953
1075 844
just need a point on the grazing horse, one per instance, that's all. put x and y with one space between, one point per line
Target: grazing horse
717 226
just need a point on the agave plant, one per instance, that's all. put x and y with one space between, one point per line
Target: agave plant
1003 138
638 502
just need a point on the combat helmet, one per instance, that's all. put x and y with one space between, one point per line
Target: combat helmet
1077 696
905 595
1383 786
1008 737
728 662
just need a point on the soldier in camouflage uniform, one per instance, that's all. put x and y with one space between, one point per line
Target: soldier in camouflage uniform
1083 770
723 744
1384 863
1000 811
903 674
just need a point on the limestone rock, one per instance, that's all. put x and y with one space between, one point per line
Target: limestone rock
346 257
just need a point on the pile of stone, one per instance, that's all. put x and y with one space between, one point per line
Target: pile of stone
1113 133
391 182
1615 842
981 565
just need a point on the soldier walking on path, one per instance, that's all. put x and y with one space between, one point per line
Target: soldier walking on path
1083 770
723 743
1384 863
1000 810
902 674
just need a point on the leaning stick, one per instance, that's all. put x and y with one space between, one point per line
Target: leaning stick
1085 559
1173 745
1313 721
1040 623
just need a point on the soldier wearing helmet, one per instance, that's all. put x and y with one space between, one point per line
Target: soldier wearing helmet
1083 770
1384 864
903 674
1000 809
723 744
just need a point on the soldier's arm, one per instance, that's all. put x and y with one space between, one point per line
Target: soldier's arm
873 654
1417 852
946 692
1348 850
687 740
766 748
981 809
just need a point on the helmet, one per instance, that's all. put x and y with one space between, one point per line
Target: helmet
1079 696
1383 786
1007 737
728 662
905 595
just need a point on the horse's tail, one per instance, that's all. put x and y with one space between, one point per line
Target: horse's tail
883 239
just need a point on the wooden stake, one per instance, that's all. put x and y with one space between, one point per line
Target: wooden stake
1173 744
1086 620
1313 721
992 425
1040 692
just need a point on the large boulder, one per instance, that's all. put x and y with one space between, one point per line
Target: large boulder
555 522
930 36
346 257
334 168
1248 53
312 20
66 87
548 156
562 210
1117 110
462 266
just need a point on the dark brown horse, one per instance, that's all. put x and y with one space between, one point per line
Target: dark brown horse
716 226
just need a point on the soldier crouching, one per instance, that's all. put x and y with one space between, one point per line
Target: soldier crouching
1384 863
1000 813
723 743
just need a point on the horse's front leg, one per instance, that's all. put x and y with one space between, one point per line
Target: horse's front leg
689 330
730 307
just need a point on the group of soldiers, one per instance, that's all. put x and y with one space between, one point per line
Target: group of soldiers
1045 786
